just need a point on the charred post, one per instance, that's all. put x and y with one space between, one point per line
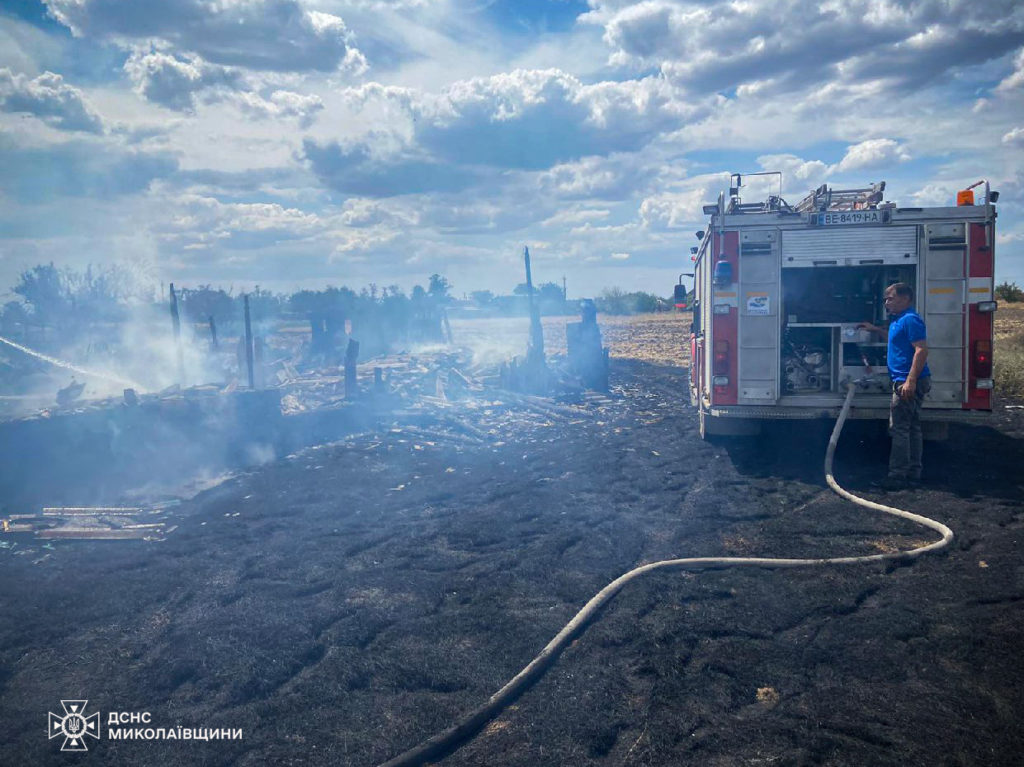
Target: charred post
351 357
258 355
248 344
176 324
587 355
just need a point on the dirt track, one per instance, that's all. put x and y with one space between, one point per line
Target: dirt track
345 603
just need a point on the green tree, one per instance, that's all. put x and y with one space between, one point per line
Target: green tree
550 292
47 293
1009 292
439 288
204 302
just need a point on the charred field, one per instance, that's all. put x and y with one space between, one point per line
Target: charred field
345 602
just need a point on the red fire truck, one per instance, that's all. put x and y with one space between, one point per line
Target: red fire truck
779 292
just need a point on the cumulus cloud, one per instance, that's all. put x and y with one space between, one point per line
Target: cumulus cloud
176 81
610 178
281 104
674 210
936 193
277 35
799 175
362 212
360 168
873 153
1015 79
532 119
720 45
50 99
793 167
173 80
198 222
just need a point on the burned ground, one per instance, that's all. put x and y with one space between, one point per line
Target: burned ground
344 603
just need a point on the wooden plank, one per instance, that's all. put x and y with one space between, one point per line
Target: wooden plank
87 511
92 533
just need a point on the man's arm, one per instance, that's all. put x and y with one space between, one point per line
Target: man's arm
916 366
873 328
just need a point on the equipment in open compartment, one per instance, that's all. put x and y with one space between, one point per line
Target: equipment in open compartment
807 360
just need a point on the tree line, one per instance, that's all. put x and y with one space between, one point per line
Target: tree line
67 304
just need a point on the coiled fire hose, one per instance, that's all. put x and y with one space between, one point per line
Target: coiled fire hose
446 742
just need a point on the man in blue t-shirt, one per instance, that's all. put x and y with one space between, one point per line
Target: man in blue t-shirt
911 381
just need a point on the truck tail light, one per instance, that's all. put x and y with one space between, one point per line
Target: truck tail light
982 358
721 366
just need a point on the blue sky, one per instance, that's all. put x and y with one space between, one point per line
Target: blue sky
300 143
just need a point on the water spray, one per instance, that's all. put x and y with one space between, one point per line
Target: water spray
126 382
444 743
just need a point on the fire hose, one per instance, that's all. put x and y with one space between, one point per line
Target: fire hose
446 742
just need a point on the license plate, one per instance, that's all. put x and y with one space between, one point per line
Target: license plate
847 217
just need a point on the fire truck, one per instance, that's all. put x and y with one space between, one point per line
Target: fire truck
779 291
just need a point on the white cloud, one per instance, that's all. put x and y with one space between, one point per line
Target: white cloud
50 99
533 119
1014 138
277 35
873 153
720 45
936 193
196 222
1015 79
674 210
281 104
611 178
793 167
363 212
173 80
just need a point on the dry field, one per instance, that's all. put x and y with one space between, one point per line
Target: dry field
660 339
1008 355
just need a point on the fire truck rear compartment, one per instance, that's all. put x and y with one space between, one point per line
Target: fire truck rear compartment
821 347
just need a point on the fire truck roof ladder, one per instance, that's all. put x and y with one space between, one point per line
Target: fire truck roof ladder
824 198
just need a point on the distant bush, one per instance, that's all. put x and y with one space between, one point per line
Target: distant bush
1009 292
617 301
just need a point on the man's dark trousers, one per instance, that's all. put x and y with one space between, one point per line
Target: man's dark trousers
905 428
